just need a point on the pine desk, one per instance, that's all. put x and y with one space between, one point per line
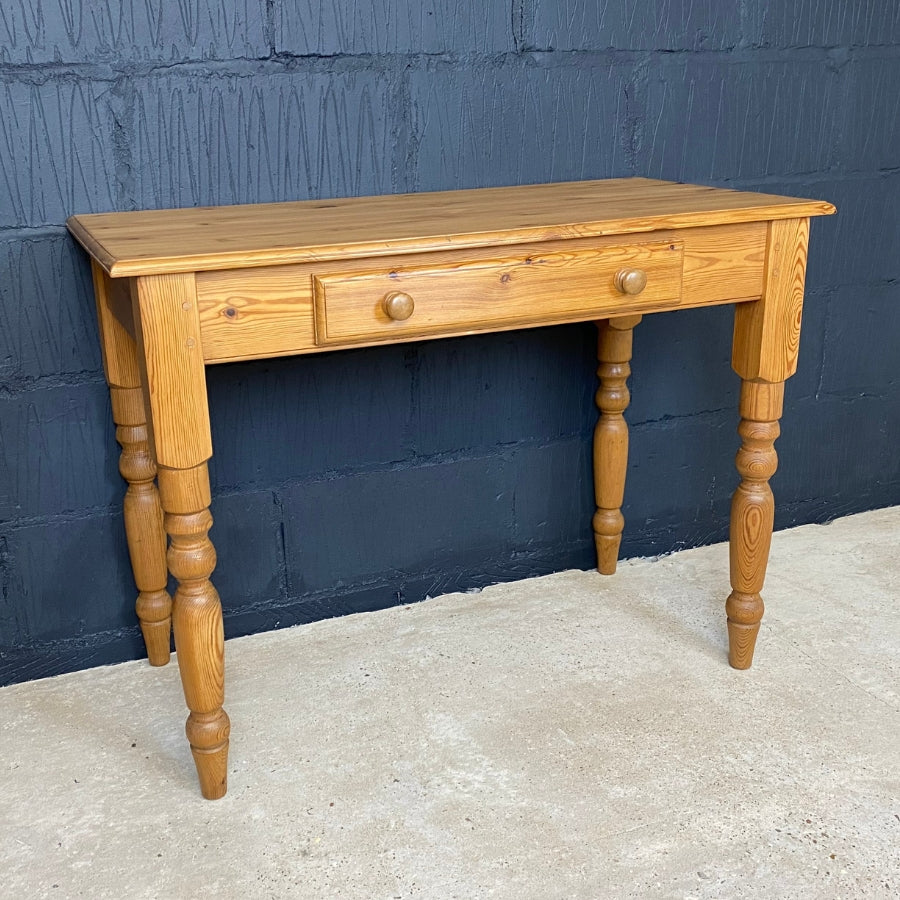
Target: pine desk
180 289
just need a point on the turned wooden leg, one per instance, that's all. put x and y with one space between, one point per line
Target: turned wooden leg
167 328
764 354
143 515
752 516
611 437
143 523
199 633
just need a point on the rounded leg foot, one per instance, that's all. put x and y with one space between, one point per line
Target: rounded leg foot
608 525
208 737
745 612
154 609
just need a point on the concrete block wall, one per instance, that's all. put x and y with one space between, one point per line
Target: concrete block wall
362 479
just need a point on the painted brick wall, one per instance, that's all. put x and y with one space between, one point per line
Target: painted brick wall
357 480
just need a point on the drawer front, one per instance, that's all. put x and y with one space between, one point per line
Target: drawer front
453 297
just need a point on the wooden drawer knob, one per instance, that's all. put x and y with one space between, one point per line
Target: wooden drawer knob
631 281
398 306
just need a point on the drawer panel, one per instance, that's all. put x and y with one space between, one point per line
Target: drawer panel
562 285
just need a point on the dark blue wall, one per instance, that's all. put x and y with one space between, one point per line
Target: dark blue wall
362 479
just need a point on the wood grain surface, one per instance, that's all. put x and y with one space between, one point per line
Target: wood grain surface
767 333
143 523
142 510
269 311
198 239
172 373
258 281
752 516
197 620
614 341
523 289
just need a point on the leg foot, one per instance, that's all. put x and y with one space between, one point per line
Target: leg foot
744 611
611 437
752 516
212 764
154 611
608 526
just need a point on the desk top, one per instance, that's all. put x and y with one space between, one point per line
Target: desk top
154 242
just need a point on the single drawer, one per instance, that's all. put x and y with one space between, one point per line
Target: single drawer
449 296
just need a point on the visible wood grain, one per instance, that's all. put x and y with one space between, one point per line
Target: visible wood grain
142 511
197 618
255 313
263 312
173 376
244 282
752 516
767 332
144 523
546 287
764 354
172 367
614 341
722 264
198 239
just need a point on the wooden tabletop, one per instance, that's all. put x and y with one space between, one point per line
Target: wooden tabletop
161 241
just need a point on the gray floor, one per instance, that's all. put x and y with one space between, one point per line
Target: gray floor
572 736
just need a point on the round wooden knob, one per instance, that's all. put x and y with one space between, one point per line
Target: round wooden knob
398 306
631 281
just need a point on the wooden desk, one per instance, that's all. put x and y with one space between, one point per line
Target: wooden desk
179 289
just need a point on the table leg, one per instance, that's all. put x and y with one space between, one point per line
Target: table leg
144 523
752 516
143 514
199 633
167 327
611 437
766 342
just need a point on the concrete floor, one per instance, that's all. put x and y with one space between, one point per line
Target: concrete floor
571 736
